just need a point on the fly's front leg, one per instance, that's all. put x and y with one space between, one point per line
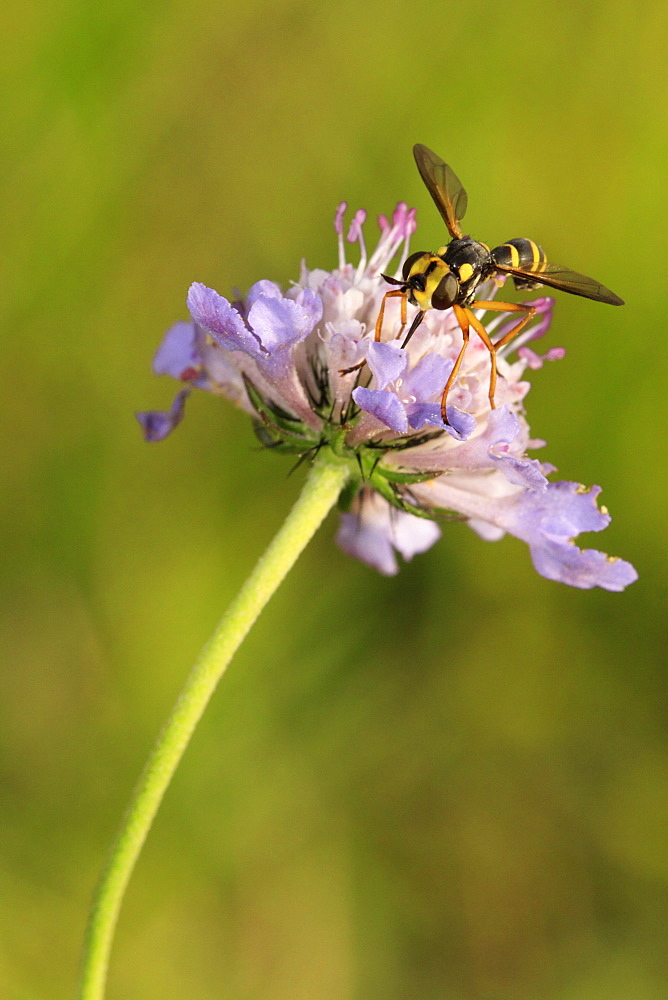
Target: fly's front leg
463 317
379 326
404 315
379 321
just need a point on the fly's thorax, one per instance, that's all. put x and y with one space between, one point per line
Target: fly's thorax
466 251
470 262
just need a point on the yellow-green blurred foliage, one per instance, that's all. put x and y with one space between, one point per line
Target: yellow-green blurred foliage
450 785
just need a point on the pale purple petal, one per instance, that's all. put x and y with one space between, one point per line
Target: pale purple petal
374 529
282 322
427 378
488 532
223 377
387 362
421 414
384 406
412 534
311 303
550 521
157 424
460 425
564 510
178 354
368 542
527 472
500 445
503 429
582 568
223 322
269 289
345 351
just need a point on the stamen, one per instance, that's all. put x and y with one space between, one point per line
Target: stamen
355 234
535 330
403 225
338 227
355 231
399 217
410 225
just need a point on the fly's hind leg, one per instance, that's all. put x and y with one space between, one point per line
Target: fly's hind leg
529 312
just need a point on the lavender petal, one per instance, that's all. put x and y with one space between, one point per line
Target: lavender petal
384 405
282 322
157 424
368 542
460 425
178 354
215 314
387 362
582 568
373 530
428 377
550 521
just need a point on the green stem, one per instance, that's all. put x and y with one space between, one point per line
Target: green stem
319 494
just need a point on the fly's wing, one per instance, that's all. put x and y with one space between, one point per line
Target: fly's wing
444 186
560 277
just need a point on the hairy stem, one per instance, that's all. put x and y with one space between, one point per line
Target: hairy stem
319 494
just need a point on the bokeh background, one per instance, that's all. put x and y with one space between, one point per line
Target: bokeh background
449 785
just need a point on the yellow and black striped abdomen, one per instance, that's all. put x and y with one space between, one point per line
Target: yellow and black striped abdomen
525 254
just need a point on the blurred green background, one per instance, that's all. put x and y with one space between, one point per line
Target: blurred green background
449 785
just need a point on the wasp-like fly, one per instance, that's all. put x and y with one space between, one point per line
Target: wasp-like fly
449 277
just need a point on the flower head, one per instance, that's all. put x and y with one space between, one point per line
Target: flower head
286 358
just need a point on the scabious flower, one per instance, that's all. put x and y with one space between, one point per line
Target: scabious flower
283 356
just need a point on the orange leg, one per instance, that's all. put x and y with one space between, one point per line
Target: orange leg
404 315
466 319
379 321
379 325
463 317
529 313
484 336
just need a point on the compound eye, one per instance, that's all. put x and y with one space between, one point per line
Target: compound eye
446 292
408 263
